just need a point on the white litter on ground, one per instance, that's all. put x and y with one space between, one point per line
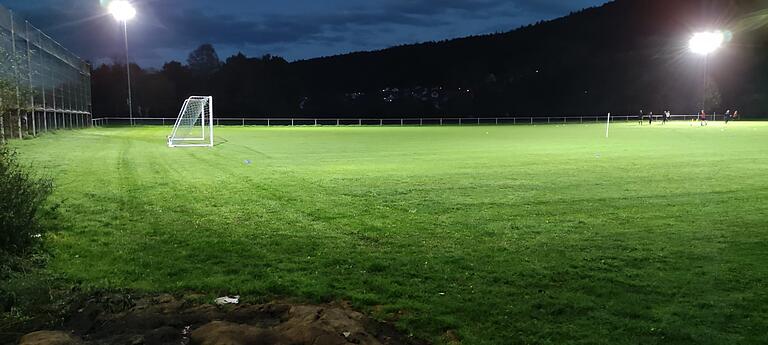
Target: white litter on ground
227 300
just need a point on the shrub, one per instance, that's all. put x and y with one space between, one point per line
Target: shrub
22 198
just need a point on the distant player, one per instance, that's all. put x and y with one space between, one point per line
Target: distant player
735 115
703 118
650 118
727 116
665 117
641 117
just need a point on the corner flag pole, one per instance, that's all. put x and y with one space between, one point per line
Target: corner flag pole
608 125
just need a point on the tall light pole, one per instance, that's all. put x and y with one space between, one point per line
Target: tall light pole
123 11
705 44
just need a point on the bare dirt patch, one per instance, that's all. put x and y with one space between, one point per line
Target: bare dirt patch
168 319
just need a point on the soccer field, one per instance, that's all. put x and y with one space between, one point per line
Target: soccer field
505 235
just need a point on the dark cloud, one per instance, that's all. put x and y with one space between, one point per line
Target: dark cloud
167 29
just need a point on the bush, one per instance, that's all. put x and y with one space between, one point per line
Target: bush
22 198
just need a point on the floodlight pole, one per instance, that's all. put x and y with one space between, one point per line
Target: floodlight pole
128 71
706 83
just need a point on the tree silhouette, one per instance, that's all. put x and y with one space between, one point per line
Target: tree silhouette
204 59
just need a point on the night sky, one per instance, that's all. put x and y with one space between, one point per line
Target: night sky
167 30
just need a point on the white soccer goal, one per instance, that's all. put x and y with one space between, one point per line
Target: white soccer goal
194 126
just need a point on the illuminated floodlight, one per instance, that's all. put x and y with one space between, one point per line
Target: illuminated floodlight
122 10
705 43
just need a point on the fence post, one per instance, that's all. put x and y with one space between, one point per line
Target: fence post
478 121
421 121
459 121
360 122
531 120
497 120
381 122
291 122
267 122
18 117
338 122
243 122
401 122
441 121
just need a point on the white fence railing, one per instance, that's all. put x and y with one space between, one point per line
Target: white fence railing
411 121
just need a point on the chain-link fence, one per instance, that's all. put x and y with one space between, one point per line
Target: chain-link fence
43 86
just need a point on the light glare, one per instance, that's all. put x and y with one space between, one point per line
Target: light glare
122 10
706 43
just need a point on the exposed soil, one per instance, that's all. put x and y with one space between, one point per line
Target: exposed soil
166 319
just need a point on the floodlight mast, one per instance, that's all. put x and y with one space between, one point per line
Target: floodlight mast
706 43
123 11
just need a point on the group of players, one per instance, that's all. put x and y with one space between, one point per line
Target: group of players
666 116
728 116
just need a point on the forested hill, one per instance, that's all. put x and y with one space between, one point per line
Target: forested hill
621 57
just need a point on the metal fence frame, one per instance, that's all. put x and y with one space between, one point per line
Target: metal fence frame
58 82
406 121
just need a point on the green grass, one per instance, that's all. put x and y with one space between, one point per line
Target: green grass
507 235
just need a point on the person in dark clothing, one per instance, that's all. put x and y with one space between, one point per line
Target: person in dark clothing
703 118
650 118
727 116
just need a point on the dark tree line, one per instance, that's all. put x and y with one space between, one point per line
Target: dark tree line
621 57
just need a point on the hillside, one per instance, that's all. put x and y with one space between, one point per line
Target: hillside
623 56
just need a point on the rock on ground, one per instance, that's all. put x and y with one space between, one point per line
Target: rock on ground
223 332
49 338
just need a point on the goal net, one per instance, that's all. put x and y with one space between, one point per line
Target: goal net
194 126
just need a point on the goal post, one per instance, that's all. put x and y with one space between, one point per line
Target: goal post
194 125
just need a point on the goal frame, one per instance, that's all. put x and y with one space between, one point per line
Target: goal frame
206 125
